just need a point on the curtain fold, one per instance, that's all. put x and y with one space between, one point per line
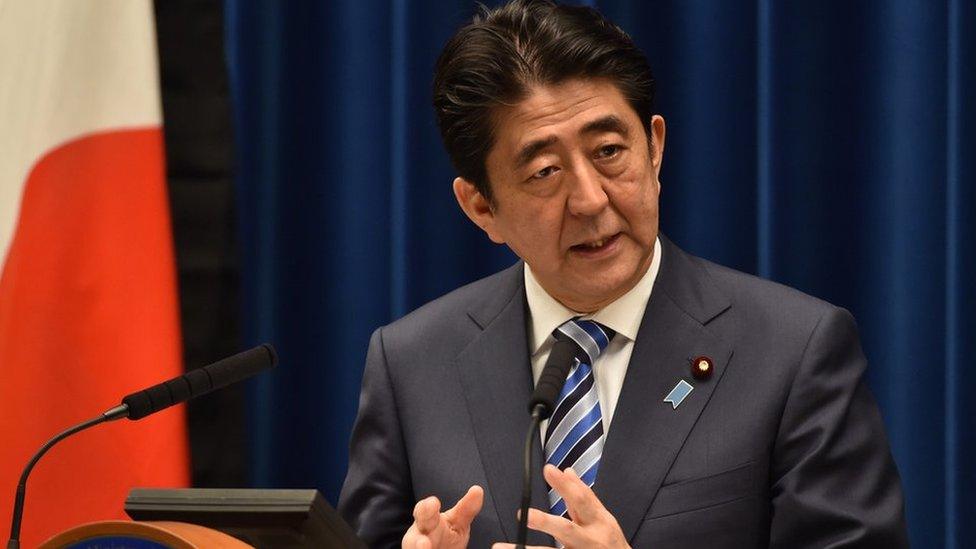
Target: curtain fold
960 288
824 145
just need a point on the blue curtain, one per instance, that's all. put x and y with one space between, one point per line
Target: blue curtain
826 145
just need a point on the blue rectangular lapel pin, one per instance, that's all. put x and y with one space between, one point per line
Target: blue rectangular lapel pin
678 394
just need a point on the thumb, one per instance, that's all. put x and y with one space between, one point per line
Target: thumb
466 508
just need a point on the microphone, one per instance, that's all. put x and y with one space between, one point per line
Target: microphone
542 404
149 401
200 381
561 359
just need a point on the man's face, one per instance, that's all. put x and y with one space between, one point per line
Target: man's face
575 188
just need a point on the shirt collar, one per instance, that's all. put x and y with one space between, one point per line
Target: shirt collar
623 315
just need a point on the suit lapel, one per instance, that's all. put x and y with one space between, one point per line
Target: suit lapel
497 382
646 433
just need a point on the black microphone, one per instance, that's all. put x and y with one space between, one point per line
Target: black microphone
542 404
200 381
149 401
561 360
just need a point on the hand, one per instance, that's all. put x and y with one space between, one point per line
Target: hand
432 529
591 525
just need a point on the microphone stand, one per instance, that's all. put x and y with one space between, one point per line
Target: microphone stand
561 359
118 412
523 524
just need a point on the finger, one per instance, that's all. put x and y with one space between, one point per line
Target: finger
582 503
426 514
413 539
466 508
512 546
564 530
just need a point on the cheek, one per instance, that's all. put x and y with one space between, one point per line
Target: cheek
649 198
532 230
637 202
635 180
544 229
635 194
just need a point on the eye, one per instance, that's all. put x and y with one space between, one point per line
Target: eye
608 151
545 172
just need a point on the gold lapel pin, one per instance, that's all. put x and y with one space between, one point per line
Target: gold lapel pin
701 368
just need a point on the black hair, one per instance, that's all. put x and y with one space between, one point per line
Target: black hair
495 59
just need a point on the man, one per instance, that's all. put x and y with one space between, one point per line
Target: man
707 408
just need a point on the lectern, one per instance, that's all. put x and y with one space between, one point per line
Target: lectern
218 519
123 534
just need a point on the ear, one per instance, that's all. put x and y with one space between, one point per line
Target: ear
658 132
477 208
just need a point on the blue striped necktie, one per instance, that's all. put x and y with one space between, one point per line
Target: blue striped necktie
574 437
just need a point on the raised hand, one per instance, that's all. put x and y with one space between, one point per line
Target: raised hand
433 529
592 526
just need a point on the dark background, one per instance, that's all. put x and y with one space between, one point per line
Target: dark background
199 158
826 145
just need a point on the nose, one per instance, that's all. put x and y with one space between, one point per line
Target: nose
587 197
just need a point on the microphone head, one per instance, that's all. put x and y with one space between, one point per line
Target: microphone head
240 366
561 360
200 381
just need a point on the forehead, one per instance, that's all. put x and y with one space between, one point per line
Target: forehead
559 112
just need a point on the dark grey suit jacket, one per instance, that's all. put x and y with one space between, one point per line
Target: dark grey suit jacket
783 446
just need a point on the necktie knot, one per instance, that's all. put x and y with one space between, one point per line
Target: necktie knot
591 338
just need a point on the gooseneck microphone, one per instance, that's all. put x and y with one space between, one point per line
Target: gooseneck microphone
200 381
543 402
561 359
149 401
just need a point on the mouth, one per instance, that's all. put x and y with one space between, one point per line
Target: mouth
598 247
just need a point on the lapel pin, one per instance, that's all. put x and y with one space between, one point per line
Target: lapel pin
701 368
678 394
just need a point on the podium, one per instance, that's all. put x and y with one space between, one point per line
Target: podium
143 535
216 518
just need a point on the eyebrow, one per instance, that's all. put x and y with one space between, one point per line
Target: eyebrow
609 123
531 149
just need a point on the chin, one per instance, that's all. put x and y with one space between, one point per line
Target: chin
598 291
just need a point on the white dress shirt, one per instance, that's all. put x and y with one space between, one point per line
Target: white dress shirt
623 316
